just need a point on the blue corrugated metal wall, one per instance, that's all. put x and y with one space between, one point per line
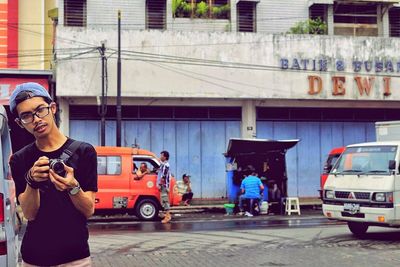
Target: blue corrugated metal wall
305 161
196 147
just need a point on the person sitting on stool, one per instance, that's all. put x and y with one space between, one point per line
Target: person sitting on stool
250 187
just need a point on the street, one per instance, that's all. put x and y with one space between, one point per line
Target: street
241 242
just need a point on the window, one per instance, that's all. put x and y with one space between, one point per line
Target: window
318 11
152 164
108 165
203 9
159 113
327 114
355 19
366 160
75 13
394 22
246 16
155 14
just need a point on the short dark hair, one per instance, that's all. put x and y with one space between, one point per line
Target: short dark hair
24 95
165 153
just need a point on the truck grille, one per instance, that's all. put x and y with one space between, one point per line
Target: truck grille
361 195
357 195
341 194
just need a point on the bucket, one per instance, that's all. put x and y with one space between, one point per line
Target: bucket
264 207
229 208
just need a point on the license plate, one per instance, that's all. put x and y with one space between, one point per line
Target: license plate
351 208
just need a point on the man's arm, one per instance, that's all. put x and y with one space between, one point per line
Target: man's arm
139 175
30 199
83 201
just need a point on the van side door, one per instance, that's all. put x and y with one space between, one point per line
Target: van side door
113 181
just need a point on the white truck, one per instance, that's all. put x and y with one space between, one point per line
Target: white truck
363 188
9 225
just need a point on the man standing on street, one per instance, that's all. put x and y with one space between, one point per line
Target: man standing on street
56 202
163 184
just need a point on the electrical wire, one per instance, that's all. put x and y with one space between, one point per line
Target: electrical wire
184 73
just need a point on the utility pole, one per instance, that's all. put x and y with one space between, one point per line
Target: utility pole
119 82
103 107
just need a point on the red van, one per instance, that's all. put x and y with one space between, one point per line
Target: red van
121 191
333 156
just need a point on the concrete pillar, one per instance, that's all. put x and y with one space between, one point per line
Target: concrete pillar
248 119
331 26
383 21
169 15
233 27
63 109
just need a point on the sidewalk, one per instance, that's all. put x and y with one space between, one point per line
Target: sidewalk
305 205
216 212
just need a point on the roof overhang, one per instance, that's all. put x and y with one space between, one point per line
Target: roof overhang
26 72
254 1
330 2
376 1
326 2
237 147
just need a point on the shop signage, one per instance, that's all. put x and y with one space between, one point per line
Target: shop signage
7 86
364 84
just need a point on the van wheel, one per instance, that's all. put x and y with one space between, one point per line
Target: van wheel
357 228
147 209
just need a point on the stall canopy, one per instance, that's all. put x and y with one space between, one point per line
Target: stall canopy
238 147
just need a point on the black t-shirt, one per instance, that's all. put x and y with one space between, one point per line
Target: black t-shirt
59 232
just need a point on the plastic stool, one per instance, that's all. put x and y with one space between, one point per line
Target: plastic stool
292 202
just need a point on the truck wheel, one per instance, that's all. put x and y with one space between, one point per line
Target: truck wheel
357 228
147 209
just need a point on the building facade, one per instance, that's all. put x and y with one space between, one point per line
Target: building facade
26 51
193 77
26 34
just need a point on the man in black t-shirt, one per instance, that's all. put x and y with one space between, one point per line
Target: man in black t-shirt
56 206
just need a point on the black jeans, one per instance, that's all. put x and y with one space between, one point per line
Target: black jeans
187 196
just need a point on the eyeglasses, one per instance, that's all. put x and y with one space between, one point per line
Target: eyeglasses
29 117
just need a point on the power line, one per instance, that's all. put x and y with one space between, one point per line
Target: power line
171 59
172 22
236 65
184 73
50 36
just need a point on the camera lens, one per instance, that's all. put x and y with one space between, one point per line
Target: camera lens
57 166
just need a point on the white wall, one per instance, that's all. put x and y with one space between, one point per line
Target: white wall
81 77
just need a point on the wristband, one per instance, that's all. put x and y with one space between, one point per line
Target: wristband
29 180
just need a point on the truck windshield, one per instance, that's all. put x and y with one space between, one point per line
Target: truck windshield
365 160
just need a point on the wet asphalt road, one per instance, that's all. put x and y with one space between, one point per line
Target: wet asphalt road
236 241
235 223
217 240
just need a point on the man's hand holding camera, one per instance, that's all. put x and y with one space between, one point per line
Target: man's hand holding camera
40 170
66 182
61 175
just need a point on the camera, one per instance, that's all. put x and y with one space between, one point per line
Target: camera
57 165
